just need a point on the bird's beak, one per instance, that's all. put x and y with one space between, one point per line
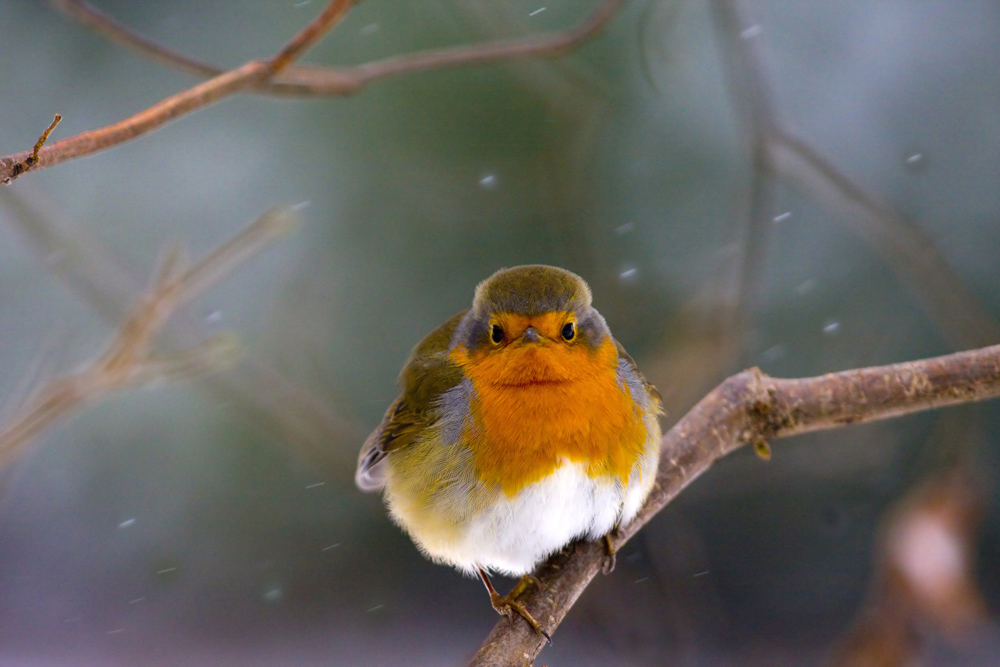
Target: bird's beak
531 335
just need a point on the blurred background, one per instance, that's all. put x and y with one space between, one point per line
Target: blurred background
216 520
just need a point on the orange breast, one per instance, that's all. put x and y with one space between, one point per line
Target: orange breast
522 432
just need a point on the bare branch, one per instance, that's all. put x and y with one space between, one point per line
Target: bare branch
161 113
312 80
757 120
263 75
748 408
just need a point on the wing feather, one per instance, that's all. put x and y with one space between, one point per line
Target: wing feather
426 376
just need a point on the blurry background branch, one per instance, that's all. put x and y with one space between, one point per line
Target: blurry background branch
92 271
749 408
129 359
775 153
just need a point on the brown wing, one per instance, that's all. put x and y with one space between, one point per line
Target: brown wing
428 373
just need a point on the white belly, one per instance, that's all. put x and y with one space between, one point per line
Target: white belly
515 534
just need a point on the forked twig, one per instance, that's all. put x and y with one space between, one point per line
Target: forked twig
31 160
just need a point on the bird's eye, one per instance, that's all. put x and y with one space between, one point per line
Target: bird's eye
569 331
496 334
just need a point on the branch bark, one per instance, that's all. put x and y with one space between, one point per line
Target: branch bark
279 76
747 408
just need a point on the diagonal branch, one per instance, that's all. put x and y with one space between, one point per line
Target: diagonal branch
92 17
906 248
161 113
308 36
748 408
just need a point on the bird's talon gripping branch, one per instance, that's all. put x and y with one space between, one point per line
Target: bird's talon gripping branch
529 578
610 553
762 449
507 605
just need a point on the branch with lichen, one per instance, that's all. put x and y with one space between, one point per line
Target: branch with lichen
749 408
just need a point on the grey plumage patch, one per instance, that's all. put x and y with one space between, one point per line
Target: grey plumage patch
453 406
636 385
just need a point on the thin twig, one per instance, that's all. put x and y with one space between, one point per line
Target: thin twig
88 15
308 36
544 45
31 160
748 408
757 119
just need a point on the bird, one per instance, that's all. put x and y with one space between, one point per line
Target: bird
522 425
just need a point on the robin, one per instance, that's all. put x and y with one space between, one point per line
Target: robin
522 426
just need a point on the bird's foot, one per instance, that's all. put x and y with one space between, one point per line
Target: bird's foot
508 605
610 553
